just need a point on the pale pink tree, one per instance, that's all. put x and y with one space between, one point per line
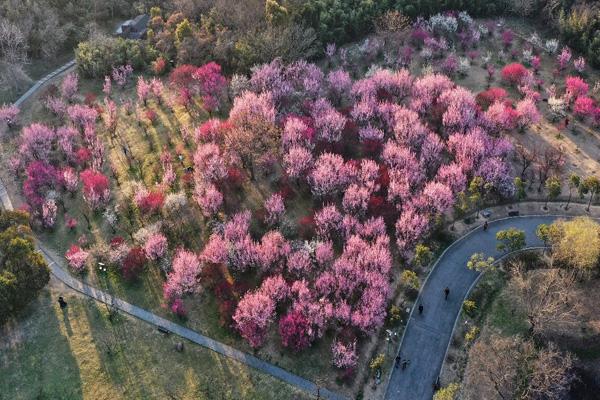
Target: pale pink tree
275 208
296 133
410 228
330 175
299 262
452 176
70 179
528 114
184 277
36 142
143 90
344 355
253 315
156 246
49 211
460 109
8 114
109 116
209 198
107 86
77 258
438 196
564 58
356 199
579 65
297 162
329 123
69 86
327 221
209 163
272 251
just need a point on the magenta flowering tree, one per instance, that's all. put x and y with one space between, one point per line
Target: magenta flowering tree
212 85
69 86
184 277
275 208
156 246
41 178
96 188
575 87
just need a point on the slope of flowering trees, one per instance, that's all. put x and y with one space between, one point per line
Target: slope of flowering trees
387 153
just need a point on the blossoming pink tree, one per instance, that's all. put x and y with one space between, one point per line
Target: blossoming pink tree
184 277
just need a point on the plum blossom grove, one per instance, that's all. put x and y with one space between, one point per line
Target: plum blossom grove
309 188
374 158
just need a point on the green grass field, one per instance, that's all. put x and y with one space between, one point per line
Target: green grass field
80 354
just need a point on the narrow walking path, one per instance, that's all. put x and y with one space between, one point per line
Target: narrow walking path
427 335
38 84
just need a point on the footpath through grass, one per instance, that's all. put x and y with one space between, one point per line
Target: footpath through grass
80 354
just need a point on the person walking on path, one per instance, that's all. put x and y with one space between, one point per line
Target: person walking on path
397 363
446 293
420 309
405 364
61 302
485 226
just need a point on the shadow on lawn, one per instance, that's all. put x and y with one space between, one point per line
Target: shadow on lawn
36 357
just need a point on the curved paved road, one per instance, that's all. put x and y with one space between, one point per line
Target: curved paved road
427 336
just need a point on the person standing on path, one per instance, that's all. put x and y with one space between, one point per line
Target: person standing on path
485 226
446 293
405 363
420 309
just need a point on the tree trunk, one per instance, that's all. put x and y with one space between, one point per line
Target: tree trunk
569 200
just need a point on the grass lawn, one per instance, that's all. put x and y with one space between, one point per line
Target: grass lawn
80 354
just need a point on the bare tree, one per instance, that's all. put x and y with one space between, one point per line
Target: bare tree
494 367
550 162
526 158
545 296
551 374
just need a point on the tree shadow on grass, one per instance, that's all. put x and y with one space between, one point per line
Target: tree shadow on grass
39 363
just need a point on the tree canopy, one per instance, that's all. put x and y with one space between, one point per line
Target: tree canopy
23 271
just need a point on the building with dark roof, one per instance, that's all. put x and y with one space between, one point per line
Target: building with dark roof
134 28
